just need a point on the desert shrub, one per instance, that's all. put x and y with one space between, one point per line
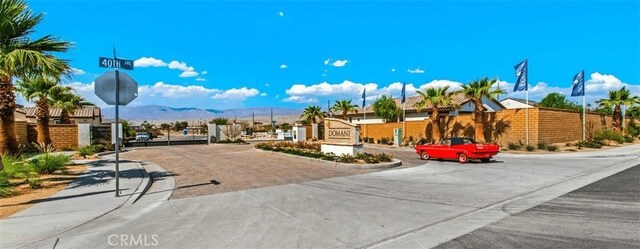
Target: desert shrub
345 158
14 168
567 144
594 144
541 146
514 146
410 138
423 141
85 151
6 189
633 129
530 147
329 157
29 148
552 147
628 139
34 182
609 135
45 148
371 159
67 149
49 163
385 140
384 157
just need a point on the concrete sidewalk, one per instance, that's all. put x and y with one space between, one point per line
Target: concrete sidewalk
85 199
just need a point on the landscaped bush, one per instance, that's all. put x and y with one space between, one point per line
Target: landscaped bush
594 144
628 139
384 157
34 182
88 150
385 140
345 158
5 186
552 147
49 163
514 146
609 135
541 146
422 141
14 168
530 147
633 129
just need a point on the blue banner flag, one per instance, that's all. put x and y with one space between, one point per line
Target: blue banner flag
403 97
364 97
578 84
521 77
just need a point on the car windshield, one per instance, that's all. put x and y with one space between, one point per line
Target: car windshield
468 141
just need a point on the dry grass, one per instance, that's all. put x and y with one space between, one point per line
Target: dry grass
51 184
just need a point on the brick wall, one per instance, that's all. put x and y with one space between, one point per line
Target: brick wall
545 125
62 135
21 132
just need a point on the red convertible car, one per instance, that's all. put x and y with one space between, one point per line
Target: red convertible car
460 148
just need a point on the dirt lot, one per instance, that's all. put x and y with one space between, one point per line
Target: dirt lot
235 167
24 197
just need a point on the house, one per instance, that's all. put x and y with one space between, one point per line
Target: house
20 114
412 114
515 103
88 114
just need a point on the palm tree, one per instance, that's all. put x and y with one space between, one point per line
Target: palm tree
312 113
19 54
616 99
345 107
68 102
38 88
436 98
475 91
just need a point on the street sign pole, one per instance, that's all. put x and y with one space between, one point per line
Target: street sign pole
117 128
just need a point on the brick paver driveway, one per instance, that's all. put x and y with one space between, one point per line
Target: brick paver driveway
235 167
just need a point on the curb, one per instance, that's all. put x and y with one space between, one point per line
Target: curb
392 164
145 184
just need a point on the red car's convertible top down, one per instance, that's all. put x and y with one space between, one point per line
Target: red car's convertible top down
461 148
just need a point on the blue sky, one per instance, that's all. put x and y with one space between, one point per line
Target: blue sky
232 54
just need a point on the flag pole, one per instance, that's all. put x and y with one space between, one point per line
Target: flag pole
404 119
584 116
527 115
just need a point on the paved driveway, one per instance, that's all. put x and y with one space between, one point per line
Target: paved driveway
234 167
415 207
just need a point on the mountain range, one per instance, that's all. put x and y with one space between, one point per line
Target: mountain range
157 114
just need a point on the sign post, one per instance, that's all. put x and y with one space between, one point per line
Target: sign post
116 91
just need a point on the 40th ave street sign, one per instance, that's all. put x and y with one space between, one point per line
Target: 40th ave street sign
105 88
115 63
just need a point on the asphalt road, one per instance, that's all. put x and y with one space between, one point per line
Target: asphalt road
417 207
604 214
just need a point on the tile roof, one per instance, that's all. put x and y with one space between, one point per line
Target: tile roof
85 112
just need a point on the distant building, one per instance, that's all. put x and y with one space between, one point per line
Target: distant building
466 106
89 114
515 103
20 114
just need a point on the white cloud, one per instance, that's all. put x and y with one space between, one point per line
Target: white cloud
339 63
201 79
180 66
417 70
187 74
237 93
326 89
266 84
77 71
299 99
281 13
149 62
204 72
263 94
453 85
603 82
393 70
175 91
283 66
326 62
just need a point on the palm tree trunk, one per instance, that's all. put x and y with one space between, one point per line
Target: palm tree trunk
344 115
42 121
435 125
64 117
479 122
616 120
8 141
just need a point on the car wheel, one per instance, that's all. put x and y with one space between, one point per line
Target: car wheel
485 160
424 155
462 158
